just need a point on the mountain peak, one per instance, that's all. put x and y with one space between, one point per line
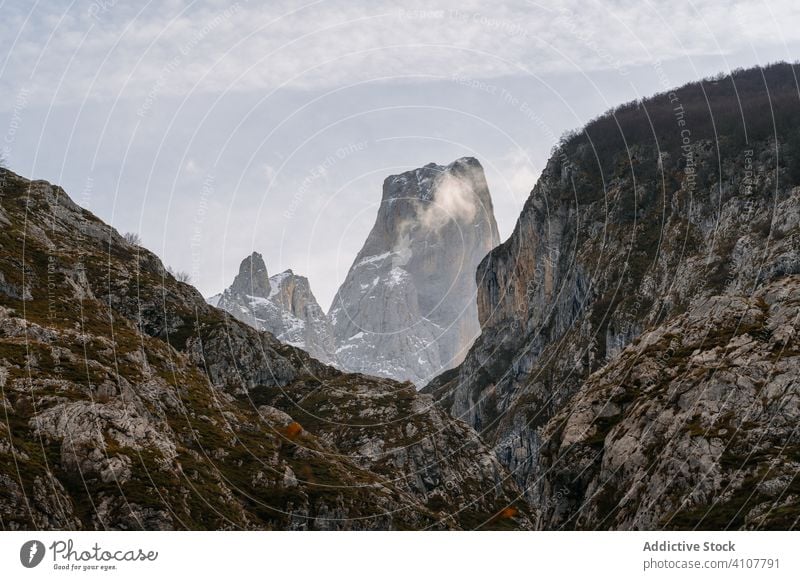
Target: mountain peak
422 182
253 278
282 304
407 309
467 160
253 263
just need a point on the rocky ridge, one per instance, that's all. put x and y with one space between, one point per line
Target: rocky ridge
130 403
282 304
623 234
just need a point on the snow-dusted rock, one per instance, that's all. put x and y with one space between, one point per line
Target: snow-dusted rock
282 304
407 308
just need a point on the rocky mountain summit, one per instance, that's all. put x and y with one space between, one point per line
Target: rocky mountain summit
282 304
130 403
407 308
665 222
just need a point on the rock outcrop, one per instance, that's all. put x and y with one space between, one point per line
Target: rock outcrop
130 403
282 304
407 308
695 425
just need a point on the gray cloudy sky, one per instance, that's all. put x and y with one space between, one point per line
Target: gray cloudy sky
216 128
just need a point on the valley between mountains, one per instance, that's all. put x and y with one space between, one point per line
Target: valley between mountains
628 359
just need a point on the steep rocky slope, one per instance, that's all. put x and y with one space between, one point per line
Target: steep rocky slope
129 403
282 304
695 425
643 216
407 309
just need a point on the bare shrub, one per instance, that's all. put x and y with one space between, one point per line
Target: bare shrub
133 238
180 275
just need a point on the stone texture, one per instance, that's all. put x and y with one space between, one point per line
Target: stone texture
693 425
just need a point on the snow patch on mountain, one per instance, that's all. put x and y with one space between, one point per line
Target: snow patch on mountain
282 304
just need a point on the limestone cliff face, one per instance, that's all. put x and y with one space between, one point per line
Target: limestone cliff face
282 304
130 403
623 233
407 308
693 425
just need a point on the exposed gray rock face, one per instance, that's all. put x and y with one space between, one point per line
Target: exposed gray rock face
407 308
618 238
130 403
282 304
694 425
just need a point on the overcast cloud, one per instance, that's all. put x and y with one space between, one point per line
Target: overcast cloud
217 128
